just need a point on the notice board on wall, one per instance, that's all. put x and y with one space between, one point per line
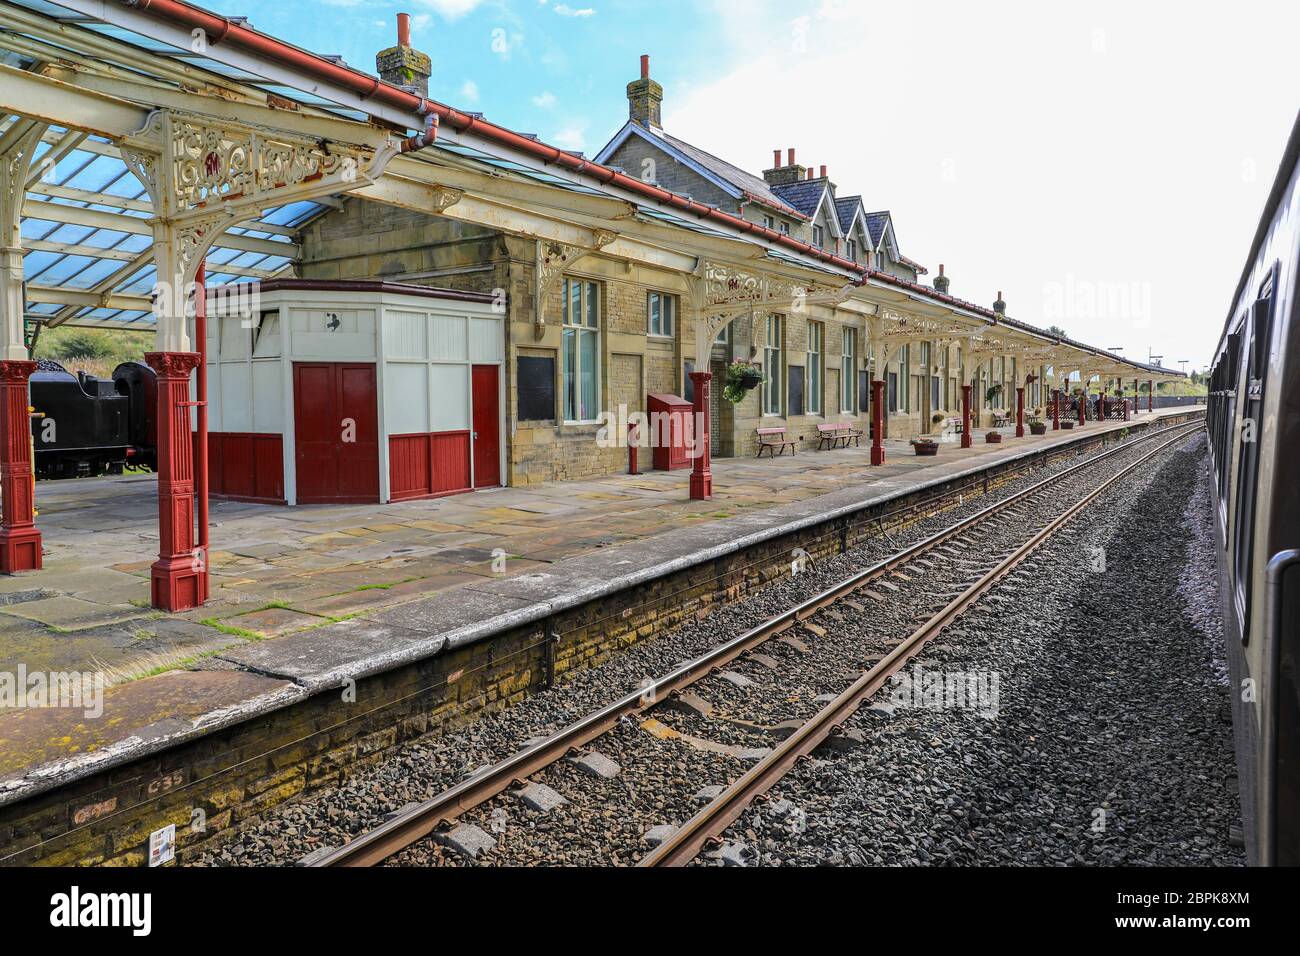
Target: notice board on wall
535 376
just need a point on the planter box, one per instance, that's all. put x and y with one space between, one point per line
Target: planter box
993 438
925 450
1067 425
1038 429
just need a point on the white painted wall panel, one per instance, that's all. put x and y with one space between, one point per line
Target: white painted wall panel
486 345
268 337
405 335
406 398
333 334
450 411
268 398
236 388
234 339
447 338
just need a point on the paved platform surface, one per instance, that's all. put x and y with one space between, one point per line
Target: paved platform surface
279 571
306 597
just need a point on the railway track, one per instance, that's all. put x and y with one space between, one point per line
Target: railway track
960 564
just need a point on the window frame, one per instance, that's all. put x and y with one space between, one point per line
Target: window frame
665 299
773 397
575 331
814 389
848 369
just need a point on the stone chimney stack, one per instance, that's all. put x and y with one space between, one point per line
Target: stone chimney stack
941 282
999 306
403 66
645 99
780 175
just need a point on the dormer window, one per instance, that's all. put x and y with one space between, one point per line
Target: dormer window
769 222
851 249
785 228
819 237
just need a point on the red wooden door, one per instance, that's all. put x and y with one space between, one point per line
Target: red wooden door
487 428
336 433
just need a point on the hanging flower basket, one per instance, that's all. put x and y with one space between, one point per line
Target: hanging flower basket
742 378
925 448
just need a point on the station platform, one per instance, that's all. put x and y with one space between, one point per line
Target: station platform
305 599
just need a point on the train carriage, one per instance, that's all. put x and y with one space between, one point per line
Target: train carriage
1254 426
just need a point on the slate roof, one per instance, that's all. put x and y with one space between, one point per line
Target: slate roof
804 195
846 209
876 223
752 185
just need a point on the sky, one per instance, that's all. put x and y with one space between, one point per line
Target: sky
1102 164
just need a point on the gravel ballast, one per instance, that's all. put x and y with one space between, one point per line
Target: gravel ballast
423 769
1111 743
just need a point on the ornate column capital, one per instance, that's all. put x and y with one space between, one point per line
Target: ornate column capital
172 364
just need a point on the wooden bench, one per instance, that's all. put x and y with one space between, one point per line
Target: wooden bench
838 435
957 425
1001 420
772 439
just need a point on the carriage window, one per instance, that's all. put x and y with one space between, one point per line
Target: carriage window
1259 337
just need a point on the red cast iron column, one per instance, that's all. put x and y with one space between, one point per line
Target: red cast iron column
877 422
966 440
1020 413
1151 396
701 474
1101 406
20 541
1083 408
1056 410
177 576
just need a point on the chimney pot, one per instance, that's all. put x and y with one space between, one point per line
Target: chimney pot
776 159
645 98
403 66
823 172
791 154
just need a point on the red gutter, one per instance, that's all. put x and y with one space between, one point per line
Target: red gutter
369 87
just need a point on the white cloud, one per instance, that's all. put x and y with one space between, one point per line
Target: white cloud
544 100
1012 150
451 9
572 136
564 10
469 92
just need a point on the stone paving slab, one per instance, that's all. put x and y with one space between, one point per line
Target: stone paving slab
148 715
434 588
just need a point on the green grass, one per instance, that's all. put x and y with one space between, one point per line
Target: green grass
96 351
230 631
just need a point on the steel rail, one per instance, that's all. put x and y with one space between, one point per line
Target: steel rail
689 839
377 845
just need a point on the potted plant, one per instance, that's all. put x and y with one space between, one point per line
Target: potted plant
1066 424
993 438
742 378
1037 426
925 447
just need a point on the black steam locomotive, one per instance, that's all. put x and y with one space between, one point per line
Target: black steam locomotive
84 426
